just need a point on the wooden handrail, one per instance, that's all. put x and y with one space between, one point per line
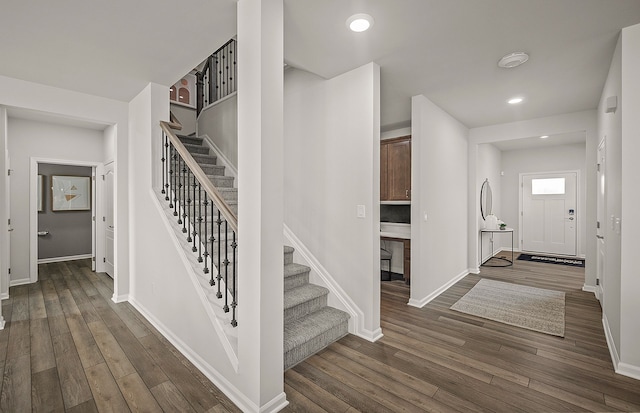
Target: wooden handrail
197 171
174 122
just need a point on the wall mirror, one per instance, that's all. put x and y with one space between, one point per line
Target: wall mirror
486 199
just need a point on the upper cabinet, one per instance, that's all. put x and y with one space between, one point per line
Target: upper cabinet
395 169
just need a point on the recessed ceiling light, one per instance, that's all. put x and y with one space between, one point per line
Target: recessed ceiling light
512 60
359 22
544 136
515 101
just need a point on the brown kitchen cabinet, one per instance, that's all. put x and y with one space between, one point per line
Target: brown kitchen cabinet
395 169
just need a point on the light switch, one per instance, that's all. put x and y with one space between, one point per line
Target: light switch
361 211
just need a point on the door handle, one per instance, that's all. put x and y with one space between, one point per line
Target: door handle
10 229
599 236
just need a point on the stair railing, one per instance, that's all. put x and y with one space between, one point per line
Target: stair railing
207 220
217 78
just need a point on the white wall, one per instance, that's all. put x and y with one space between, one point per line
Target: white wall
610 130
439 158
332 164
28 138
489 160
220 122
552 125
4 212
547 159
630 282
186 116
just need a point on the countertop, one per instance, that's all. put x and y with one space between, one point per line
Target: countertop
395 230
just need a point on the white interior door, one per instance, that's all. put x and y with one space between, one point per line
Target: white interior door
601 214
108 219
549 215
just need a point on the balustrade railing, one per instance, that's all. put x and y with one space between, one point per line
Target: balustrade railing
209 224
218 76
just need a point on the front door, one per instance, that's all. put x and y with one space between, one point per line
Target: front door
109 230
601 215
549 214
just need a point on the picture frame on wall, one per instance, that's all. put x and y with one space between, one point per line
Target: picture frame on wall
40 199
70 193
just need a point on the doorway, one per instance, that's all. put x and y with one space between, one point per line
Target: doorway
109 230
549 213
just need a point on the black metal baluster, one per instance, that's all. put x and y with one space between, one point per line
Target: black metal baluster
213 240
205 240
187 209
226 267
183 204
234 303
176 202
171 176
164 163
195 217
219 224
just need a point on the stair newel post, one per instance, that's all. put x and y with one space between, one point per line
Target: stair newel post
212 82
172 161
226 267
195 217
204 240
212 239
183 204
219 277
199 92
234 302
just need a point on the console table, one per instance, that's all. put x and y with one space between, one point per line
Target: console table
492 231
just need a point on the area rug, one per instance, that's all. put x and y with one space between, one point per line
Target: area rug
532 308
574 262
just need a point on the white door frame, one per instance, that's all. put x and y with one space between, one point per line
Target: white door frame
601 218
97 195
579 206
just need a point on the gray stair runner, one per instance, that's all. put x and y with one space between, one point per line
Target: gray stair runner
309 324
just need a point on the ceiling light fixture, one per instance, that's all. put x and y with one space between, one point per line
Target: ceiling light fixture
515 101
359 22
512 60
544 136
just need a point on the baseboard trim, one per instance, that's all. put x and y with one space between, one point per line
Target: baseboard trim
120 298
62 259
615 358
230 169
339 297
590 289
276 404
426 300
237 397
628 370
21 281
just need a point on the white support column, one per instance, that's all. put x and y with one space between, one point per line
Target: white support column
260 200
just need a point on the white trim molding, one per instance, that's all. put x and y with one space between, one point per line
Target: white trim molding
62 259
229 169
337 296
426 300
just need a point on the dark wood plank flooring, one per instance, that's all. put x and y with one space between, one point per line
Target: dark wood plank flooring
67 347
437 360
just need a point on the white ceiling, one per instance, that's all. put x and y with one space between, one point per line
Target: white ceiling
579 137
444 49
448 50
110 48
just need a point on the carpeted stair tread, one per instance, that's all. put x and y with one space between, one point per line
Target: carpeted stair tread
314 325
193 140
205 159
294 269
197 149
299 295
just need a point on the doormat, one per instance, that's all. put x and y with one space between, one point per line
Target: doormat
573 262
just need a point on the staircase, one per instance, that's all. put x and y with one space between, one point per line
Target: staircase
309 324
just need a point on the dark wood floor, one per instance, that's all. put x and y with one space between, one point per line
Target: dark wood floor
437 360
68 347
